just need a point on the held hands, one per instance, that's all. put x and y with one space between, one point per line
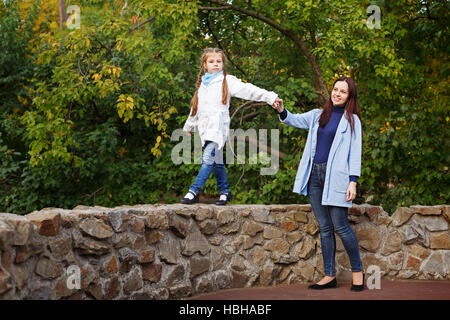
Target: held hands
278 105
351 191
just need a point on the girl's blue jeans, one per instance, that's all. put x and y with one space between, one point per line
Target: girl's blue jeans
330 219
212 160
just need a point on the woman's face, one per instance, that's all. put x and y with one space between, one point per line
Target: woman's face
214 62
339 95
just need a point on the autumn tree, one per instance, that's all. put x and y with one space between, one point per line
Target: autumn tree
87 113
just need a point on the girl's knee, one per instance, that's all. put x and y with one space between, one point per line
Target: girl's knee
208 160
208 157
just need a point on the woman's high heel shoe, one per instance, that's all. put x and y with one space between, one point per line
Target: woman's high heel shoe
358 287
331 284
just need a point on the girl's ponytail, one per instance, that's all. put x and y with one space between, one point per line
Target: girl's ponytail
224 88
194 102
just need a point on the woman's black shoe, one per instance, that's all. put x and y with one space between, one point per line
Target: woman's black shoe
224 202
190 201
358 287
331 284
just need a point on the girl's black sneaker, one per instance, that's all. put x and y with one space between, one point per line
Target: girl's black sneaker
224 198
186 200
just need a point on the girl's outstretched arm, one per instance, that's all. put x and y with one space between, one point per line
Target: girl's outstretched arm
248 91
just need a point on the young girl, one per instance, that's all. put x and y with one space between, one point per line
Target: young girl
210 114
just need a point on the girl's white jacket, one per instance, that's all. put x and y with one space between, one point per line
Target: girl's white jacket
213 117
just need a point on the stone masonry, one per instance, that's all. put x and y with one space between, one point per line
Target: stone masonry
175 251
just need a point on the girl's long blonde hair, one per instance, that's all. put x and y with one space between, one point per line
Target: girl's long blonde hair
206 52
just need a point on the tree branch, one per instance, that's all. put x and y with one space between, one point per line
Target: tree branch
215 8
79 69
141 24
263 6
319 84
313 38
428 9
221 47
239 108
248 116
108 50
262 147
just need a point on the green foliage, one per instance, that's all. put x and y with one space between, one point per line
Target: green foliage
86 114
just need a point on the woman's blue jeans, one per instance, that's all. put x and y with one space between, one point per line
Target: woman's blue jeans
330 219
212 160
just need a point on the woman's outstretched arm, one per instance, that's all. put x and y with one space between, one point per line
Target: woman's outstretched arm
298 120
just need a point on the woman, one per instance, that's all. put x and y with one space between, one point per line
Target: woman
328 173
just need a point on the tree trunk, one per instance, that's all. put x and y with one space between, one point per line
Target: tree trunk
62 14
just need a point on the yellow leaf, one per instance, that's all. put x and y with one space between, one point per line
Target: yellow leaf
172 110
54 25
21 100
122 150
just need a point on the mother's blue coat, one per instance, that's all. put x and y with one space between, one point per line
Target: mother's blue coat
344 159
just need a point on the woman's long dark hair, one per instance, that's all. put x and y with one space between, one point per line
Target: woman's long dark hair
351 105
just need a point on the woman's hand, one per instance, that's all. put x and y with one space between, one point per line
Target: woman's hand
351 191
278 105
190 133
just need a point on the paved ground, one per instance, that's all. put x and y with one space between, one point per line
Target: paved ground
390 290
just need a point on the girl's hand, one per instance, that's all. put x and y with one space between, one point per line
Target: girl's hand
351 191
278 105
190 133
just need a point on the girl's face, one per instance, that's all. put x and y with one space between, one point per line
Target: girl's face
339 95
214 62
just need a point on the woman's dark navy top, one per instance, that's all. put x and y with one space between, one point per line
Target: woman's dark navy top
325 135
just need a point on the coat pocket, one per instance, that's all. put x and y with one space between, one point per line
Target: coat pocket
342 181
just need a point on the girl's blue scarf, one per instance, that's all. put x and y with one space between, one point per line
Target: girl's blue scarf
207 77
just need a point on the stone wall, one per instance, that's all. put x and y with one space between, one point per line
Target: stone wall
174 251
